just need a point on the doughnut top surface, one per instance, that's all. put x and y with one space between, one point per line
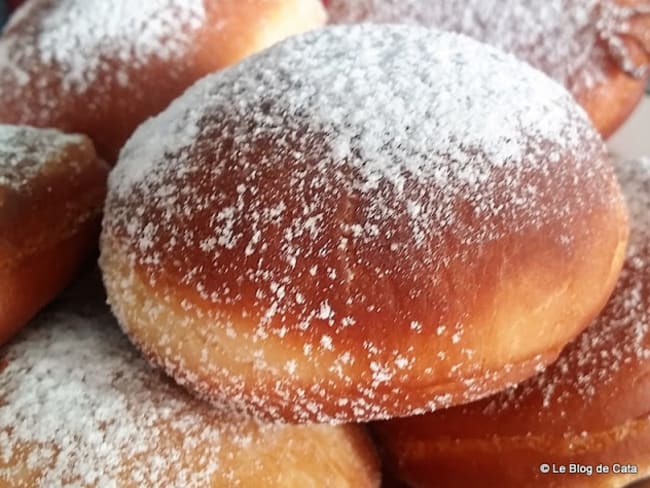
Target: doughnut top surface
80 36
352 112
25 152
570 40
329 190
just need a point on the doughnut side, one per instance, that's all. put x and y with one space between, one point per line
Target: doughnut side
33 281
611 102
447 462
298 376
80 408
63 64
52 189
51 186
626 72
591 407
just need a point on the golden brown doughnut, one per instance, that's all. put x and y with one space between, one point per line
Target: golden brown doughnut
599 49
335 230
101 67
52 189
80 408
591 407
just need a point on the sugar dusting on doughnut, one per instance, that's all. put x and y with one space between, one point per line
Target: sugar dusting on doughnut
570 40
84 396
80 407
103 67
619 337
347 161
80 35
25 151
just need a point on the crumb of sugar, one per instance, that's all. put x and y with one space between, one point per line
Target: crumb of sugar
570 40
367 150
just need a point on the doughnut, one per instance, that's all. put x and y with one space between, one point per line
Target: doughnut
598 49
101 67
52 189
80 408
590 408
334 230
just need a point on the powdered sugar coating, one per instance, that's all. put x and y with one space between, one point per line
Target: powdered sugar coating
570 40
80 407
80 36
321 190
102 67
25 151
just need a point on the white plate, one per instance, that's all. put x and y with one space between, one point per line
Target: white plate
633 139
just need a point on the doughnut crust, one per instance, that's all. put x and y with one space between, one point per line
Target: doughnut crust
599 49
80 408
101 67
335 230
591 407
52 189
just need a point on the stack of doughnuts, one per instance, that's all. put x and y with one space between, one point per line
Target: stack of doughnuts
101 67
590 408
599 49
377 222
52 189
80 408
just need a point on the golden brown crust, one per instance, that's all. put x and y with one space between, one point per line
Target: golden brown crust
106 88
591 407
506 350
60 188
516 461
36 279
52 189
379 260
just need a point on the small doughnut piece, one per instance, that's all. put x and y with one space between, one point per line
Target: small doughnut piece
52 190
101 67
599 49
360 223
591 407
80 408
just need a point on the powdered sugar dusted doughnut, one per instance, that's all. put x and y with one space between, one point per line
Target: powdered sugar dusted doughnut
335 230
101 67
599 49
52 189
591 407
80 408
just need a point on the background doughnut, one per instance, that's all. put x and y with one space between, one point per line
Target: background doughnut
101 67
52 189
80 408
599 49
